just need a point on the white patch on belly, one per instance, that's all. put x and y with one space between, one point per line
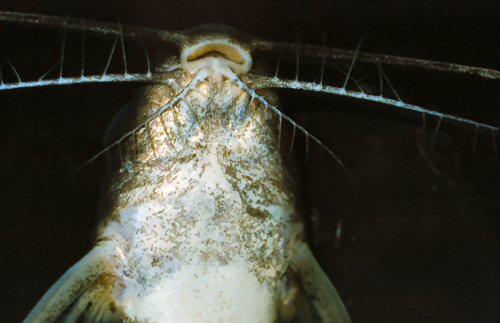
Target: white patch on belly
194 253
225 293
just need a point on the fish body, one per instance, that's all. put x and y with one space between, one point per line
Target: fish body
201 202
199 220
111 273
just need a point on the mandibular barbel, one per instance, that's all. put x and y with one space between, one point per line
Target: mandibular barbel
197 149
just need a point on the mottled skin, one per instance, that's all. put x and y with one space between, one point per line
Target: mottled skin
199 222
201 191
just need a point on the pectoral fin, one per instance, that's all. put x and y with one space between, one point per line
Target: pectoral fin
315 283
72 284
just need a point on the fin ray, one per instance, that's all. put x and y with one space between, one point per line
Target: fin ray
315 283
74 281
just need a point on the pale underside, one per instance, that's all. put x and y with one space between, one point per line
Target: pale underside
204 210
200 223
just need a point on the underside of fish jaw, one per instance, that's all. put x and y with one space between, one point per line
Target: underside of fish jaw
215 54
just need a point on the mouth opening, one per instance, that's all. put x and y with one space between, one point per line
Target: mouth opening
217 50
224 51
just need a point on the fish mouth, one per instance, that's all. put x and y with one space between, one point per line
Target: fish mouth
223 50
217 50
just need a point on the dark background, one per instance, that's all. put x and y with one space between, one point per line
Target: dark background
419 236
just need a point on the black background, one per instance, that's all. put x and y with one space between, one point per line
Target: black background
419 228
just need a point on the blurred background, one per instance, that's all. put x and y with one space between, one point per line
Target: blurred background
418 224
